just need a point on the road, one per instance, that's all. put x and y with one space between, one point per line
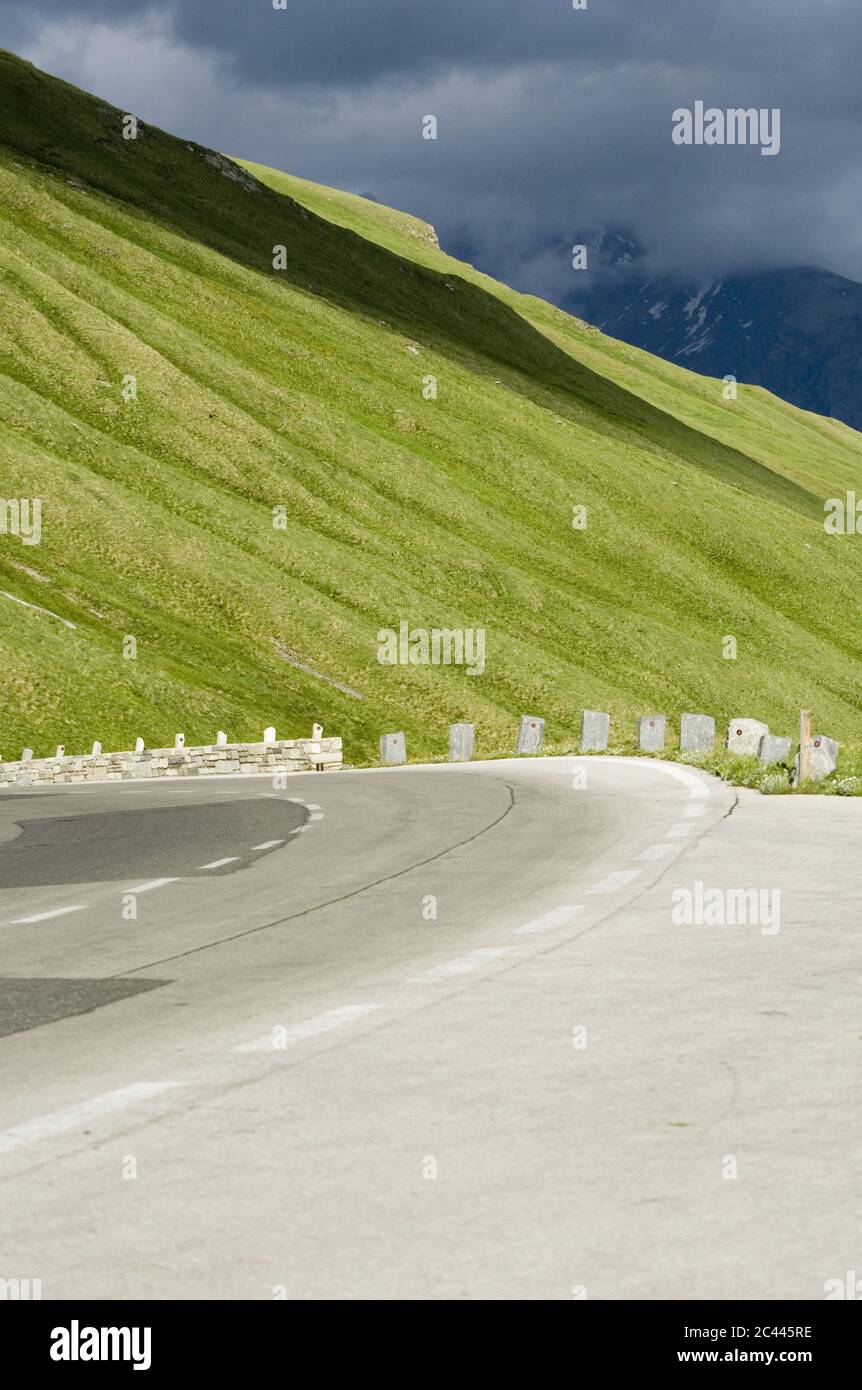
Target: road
428 1033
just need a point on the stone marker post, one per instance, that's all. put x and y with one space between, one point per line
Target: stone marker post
26 755
697 733
393 749
97 750
823 757
774 749
595 731
269 734
651 728
531 734
180 741
61 751
139 745
461 738
221 739
744 735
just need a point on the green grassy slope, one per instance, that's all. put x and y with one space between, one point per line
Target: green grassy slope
303 388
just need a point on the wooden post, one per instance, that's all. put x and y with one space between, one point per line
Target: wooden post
804 745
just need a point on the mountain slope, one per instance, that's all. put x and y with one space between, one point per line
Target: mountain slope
796 332
302 389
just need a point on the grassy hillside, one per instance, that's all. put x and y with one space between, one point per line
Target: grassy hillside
302 388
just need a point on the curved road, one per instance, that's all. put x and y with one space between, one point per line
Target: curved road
427 1033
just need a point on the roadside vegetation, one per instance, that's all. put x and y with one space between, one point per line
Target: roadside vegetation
283 483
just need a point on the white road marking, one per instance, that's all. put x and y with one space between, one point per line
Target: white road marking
44 916
267 844
614 882
677 831
557 917
462 965
217 863
312 806
695 786
310 1028
153 883
77 1116
695 810
316 815
656 852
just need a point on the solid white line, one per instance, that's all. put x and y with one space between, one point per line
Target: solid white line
695 786
310 1028
217 863
557 917
656 852
613 882
267 844
76 1116
153 883
43 916
462 965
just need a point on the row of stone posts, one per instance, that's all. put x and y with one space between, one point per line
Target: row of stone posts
745 737
179 742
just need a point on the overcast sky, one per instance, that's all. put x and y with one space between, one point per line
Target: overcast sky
551 121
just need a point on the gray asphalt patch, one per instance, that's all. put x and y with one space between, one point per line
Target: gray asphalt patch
30 1003
156 842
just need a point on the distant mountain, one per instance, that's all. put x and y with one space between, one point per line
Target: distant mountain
797 332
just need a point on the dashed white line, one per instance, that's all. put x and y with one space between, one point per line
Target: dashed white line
217 863
267 844
551 921
655 852
462 965
77 1116
316 815
312 806
44 916
618 880
310 1028
153 883
696 809
676 832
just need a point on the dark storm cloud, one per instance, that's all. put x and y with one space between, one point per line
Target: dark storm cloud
551 121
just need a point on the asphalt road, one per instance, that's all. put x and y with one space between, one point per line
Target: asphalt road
428 1033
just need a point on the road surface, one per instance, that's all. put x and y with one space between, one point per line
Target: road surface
428 1033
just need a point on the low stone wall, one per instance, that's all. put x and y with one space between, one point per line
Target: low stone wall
212 760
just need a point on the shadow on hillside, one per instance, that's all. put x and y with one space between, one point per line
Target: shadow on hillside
199 195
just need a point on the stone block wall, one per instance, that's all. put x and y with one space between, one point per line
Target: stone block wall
210 760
